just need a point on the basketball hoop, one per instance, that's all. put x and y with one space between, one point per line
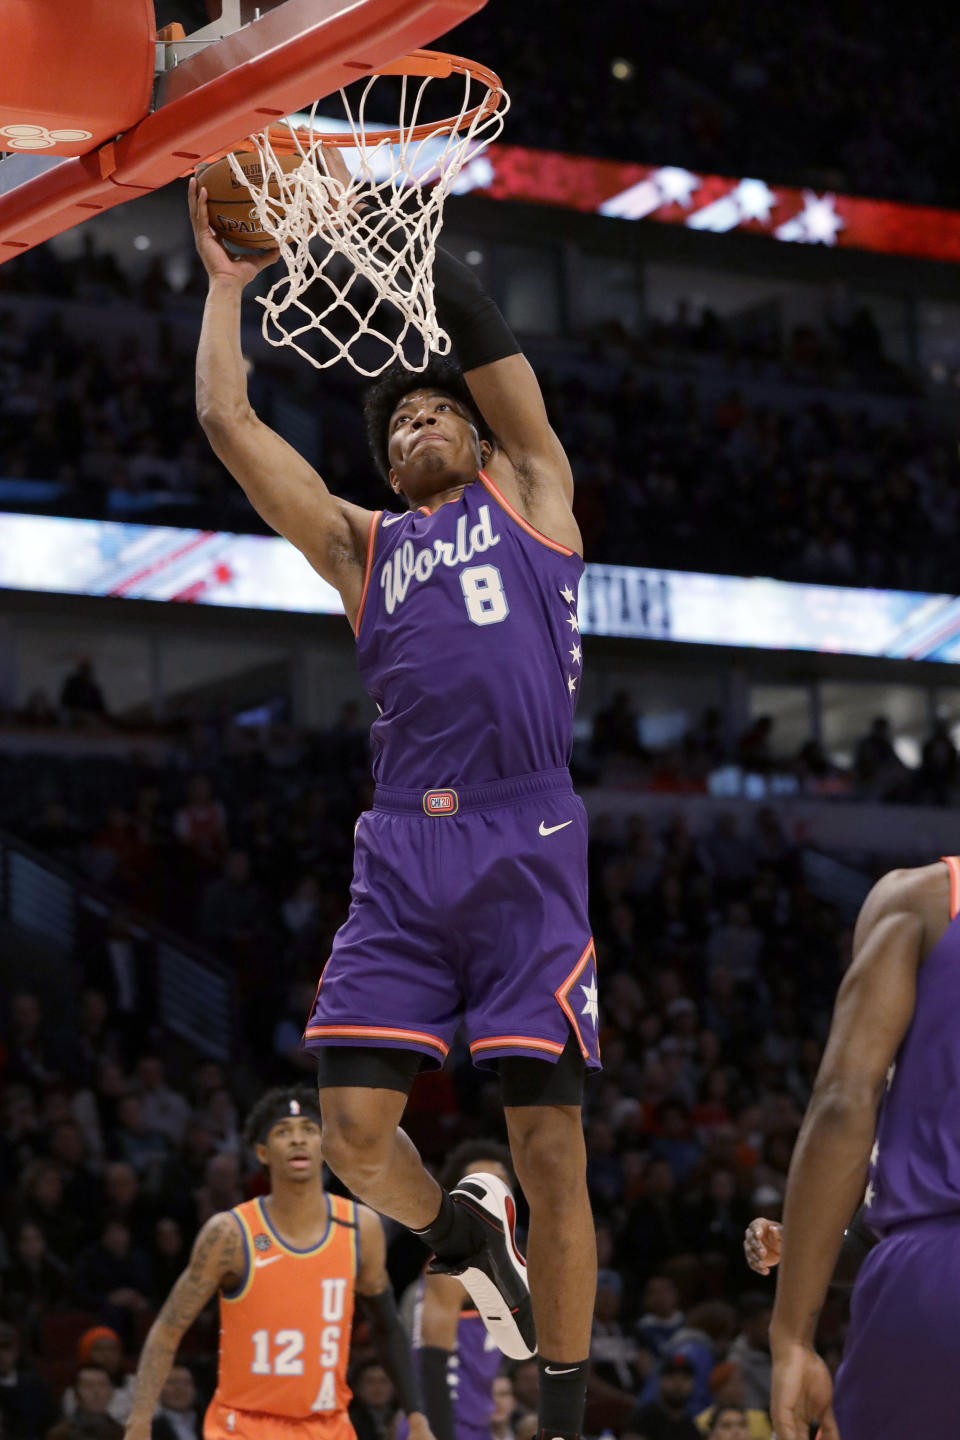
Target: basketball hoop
380 228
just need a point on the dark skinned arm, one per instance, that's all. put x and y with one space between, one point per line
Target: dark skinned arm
217 1258
829 1168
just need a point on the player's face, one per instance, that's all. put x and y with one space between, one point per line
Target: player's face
731 1426
431 443
292 1151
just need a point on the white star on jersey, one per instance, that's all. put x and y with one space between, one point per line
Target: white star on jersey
874 1153
573 622
869 1195
567 595
591 1009
571 683
575 655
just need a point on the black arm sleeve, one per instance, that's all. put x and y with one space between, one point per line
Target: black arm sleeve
858 1241
479 332
435 1374
392 1347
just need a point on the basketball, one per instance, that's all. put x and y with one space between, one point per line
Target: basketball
229 204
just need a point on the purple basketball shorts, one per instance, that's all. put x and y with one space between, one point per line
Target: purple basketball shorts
898 1377
467 907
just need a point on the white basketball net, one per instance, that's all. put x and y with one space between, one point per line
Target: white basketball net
378 251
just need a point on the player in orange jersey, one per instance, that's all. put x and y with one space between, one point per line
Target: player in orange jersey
288 1266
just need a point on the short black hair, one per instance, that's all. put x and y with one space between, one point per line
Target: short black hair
461 1160
383 398
276 1105
720 1410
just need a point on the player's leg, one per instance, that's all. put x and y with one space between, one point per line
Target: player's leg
363 1094
542 1105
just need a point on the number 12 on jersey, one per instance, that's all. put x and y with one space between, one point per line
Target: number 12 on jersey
483 592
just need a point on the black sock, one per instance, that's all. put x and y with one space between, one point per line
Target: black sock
563 1396
455 1234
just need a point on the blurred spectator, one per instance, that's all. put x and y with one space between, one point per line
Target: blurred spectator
101 1348
666 1417
727 1423
526 1385
93 1392
145 1150
27 1406
877 766
751 1351
373 1408
162 1109
112 1278
616 730
177 1417
222 1189
726 1384
938 768
170 1255
661 1318
36 1281
504 1406
81 698
615 1357
201 822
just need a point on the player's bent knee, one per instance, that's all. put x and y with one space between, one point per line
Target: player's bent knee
548 1155
355 1146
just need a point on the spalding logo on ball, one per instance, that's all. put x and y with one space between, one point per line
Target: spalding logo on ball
229 204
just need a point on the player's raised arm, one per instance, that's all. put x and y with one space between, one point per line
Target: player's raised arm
282 487
217 1257
379 1308
830 1162
501 379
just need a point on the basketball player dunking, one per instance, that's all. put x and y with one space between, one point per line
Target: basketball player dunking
288 1267
469 901
894 1042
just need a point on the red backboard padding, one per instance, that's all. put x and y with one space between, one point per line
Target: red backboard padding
73 75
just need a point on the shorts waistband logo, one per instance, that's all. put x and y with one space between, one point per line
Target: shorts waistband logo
441 802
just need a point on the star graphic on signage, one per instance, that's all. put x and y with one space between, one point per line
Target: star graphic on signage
590 1007
819 219
755 199
676 185
567 595
575 655
890 1074
573 622
571 683
874 1153
869 1195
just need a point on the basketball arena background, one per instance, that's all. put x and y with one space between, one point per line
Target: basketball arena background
730 254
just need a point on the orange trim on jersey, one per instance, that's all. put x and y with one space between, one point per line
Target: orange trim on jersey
501 499
368 570
952 863
382 1032
526 1041
563 990
232 1296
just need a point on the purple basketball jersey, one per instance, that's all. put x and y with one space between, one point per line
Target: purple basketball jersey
468 641
915 1164
474 1366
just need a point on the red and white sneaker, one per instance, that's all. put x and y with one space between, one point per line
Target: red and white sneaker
495 1275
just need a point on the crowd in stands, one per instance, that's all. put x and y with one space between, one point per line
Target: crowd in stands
668 474
799 93
113 1156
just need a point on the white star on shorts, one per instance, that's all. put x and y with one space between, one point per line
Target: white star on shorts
571 683
573 622
591 1008
567 594
575 655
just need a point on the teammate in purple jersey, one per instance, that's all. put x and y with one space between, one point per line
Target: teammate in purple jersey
469 898
894 1044
455 1357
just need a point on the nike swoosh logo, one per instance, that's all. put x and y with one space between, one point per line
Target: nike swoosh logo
551 830
268 1261
391 519
552 1370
